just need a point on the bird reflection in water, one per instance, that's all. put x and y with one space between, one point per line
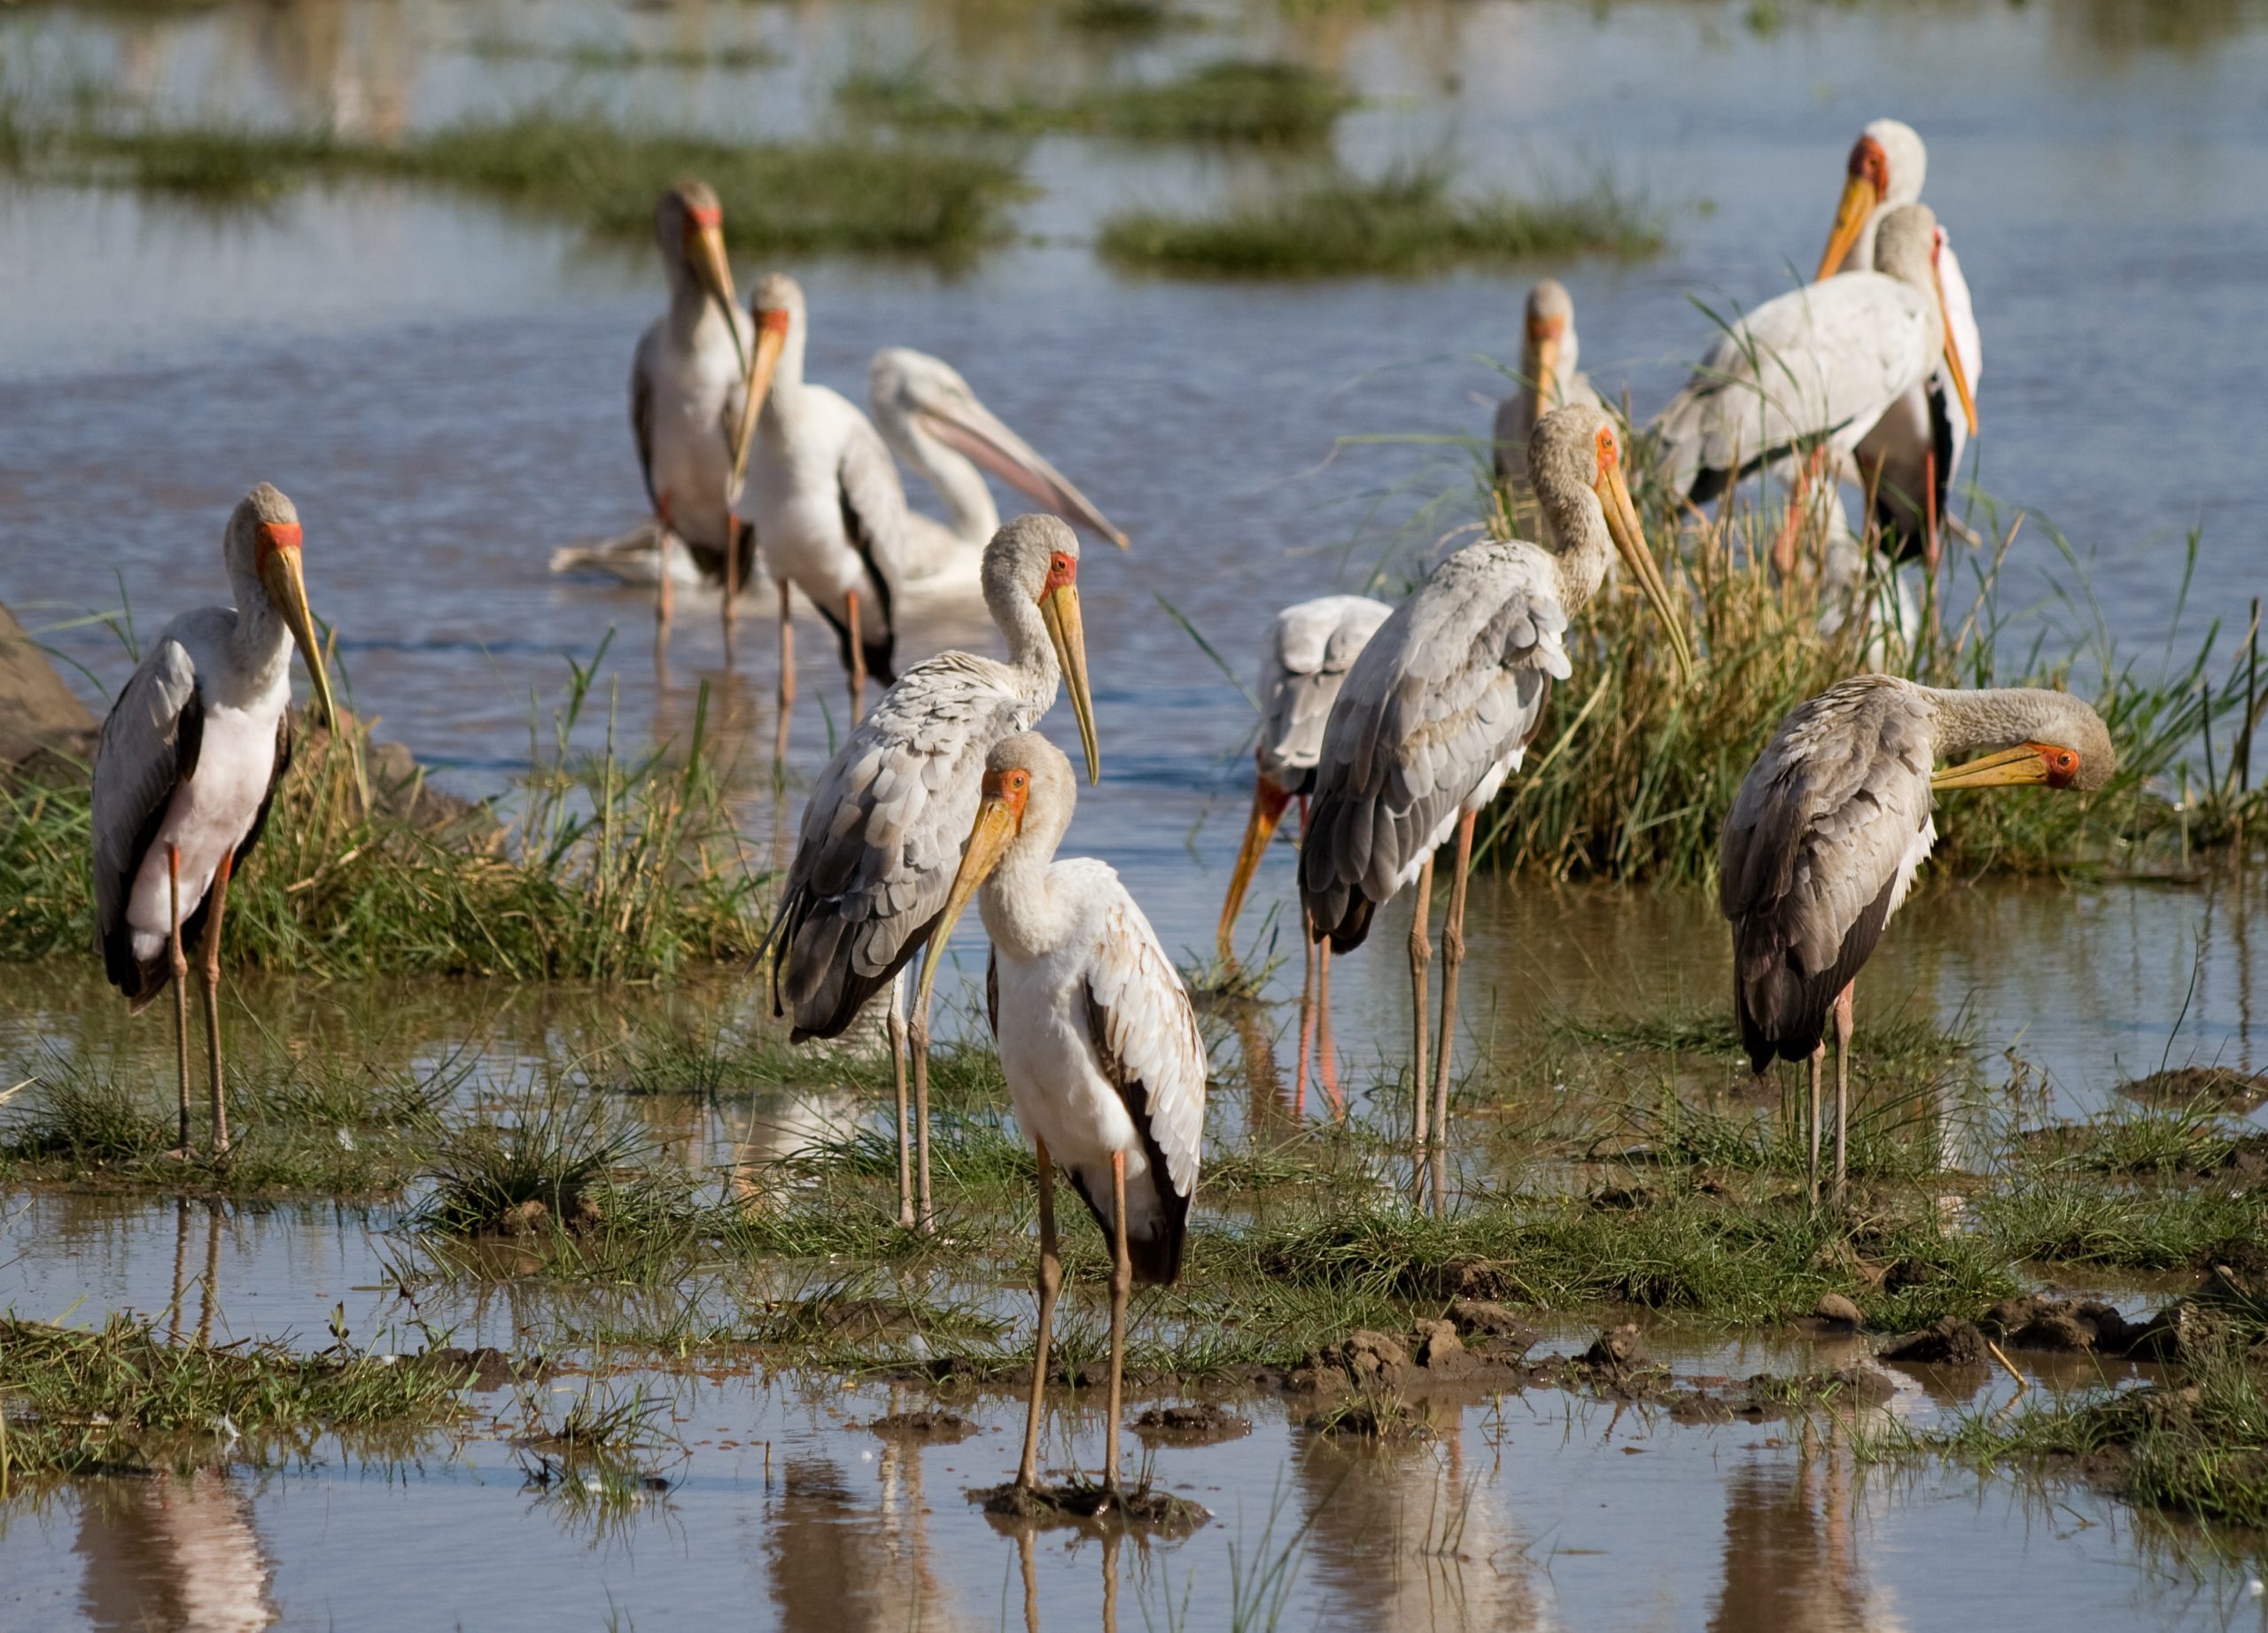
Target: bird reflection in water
1790 1551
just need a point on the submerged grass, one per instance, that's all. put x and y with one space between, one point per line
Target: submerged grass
1413 221
1254 104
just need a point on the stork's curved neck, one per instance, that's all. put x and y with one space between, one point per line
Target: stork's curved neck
1547 388
259 646
959 485
1031 653
1023 913
1964 723
790 374
1581 548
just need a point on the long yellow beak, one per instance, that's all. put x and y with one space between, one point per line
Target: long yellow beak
1059 610
1858 203
2022 766
705 253
762 364
987 842
1547 373
287 588
1952 353
1267 803
1630 544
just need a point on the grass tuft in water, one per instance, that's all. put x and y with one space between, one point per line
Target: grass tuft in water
1251 104
1411 222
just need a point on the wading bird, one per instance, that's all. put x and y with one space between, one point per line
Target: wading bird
187 764
1813 369
1098 1041
1831 822
1304 661
1549 378
1441 705
933 422
1909 458
687 388
882 836
828 504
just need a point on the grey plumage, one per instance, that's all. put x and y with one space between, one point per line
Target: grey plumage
1304 660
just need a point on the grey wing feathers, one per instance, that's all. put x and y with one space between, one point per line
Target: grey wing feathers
642 417
148 749
1145 1033
882 837
1311 649
873 516
1820 842
1451 687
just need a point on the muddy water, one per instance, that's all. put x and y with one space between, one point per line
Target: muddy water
440 385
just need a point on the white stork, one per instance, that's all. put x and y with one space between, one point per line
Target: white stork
935 423
1813 369
882 836
828 504
1304 661
1909 458
185 769
1098 1041
1549 375
1441 705
1828 827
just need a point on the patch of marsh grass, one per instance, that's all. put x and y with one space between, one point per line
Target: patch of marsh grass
623 55
1411 222
1249 104
550 1168
2063 1218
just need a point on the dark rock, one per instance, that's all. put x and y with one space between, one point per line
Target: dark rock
928 1424
1951 1342
1365 1358
1442 1352
1616 1350
1193 1425
2177 1333
2063 1325
1480 1317
1837 1311
39 714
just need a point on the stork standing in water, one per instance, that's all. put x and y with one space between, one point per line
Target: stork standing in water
1098 1041
688 392
1829 825
1303 662
1814 368
185 769
935 423
1548 376
1441 705
882 836
828 505
1909 457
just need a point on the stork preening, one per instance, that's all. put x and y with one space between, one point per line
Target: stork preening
1909 459
937 426
1303 662
1549 378
1098 1041
185 769
826 500
881 837
1442 702
1802 379
688 385
1829 828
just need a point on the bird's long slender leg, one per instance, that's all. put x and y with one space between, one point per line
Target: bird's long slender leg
665 592
1930 541
732 580
211 972
1811 1165
1842 1088
1050 1283
1122 1286
1452 961
787 672
857 656
181 989
918 1038
1783 546
1421 953
1307 1011
1326 1056
897 1036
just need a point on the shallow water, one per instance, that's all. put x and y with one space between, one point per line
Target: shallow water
439 384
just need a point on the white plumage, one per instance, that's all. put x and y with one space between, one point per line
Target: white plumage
1550 376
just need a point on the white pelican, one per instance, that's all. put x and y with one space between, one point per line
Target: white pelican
1817 366
187 763
882 836
1909 458
933 422
1304 661
688 382
1441 705
1549 378
1828 827
828 504
1098 1041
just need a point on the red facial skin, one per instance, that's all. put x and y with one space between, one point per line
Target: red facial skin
1062 571
1608 458
1542 329
1868 160
1012 789
774 322
2062 764
270 537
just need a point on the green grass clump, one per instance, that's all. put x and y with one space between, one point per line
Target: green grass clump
1409 223
121 1398
624 54
551 1169
779 197
1254 104
2065 1219
608 870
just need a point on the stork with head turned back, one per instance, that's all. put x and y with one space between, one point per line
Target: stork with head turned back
1829 828
1444 700
185 769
